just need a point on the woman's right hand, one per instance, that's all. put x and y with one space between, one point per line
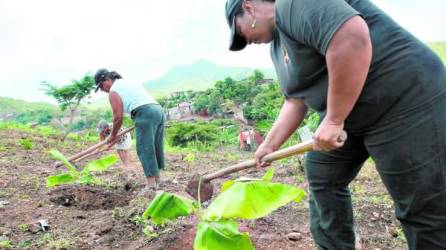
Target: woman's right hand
261 151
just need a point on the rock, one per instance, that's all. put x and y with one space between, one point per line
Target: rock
43 224
3 203
104 228
106 239
294 236
375 214
5 231
34 228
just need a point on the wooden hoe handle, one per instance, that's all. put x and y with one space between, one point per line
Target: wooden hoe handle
274 156
92 148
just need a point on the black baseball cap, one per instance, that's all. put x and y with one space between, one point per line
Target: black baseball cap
236 41
99 77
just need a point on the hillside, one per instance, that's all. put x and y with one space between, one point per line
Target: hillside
16 106
199 76
440 49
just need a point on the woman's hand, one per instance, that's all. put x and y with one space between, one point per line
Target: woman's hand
329 136
111 141
261 151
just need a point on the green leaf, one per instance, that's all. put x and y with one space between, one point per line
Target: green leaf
300 197
59 156
101 164
226 185
221 235
166 206
269 175
251 200
87 178
55 180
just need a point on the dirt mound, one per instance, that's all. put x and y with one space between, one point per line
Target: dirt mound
89 198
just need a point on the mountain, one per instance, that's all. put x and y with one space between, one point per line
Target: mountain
199 75
440 49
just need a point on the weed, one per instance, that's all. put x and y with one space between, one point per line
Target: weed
7 192
358 189
149 232
190 158
59 244
3 148
45 239
24 244
26 144
23 227
118 213
36 184
381 199
139 220
5 244
400 234
300 178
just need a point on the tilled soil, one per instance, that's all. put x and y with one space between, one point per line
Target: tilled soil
108 216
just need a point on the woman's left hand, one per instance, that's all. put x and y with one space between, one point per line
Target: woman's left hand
329 136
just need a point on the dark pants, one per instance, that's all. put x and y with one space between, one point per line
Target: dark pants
149 126
410 157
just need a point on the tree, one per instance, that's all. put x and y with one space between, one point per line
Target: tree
266 105
70 96
256 76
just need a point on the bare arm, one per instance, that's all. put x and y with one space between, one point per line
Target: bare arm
116 105
291 115
348 60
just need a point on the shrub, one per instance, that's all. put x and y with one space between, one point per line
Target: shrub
181 134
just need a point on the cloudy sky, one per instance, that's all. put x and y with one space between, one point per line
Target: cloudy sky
60 40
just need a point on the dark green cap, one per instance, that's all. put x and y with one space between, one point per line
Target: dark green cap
236 41
99 77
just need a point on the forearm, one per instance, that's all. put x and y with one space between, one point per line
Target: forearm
116 105
117 123
348 61
291 115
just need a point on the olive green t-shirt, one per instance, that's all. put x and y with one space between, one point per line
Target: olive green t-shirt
404 73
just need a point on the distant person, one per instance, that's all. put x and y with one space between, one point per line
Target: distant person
147 115
365 74
123 145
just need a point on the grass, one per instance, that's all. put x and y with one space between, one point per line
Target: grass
6 244
23 227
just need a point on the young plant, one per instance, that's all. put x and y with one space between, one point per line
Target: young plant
244 198
26 144
83 177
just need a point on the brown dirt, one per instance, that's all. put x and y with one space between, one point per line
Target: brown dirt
107 216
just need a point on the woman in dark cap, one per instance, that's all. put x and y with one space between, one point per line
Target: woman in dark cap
365 74
147 115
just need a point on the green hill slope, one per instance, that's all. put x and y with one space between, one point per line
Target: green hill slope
10 105
440 49
199 76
